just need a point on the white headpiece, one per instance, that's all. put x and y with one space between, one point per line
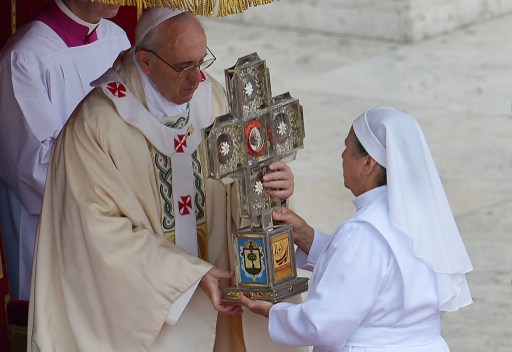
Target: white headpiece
151 18
417 202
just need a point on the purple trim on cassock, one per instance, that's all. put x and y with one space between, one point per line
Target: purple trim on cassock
72 33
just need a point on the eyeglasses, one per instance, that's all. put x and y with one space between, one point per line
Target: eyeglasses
206 62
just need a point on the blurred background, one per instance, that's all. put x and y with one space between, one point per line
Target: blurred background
448 63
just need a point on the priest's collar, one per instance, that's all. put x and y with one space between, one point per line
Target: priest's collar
71 29
157 104
368 196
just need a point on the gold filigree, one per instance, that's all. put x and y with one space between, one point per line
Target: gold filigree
237 158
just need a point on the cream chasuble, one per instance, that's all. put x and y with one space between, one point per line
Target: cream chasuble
178 169
105 274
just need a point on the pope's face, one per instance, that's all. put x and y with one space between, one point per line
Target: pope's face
186 47
352 164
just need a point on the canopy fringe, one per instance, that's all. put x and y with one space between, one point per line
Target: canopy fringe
220 8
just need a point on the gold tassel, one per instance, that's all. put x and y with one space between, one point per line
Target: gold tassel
13 16
198 7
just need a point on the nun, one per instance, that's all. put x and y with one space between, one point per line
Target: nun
386 276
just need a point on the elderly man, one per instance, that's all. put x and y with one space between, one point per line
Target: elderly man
45 70
132 242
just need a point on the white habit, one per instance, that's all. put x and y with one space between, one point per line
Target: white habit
367 290
384 279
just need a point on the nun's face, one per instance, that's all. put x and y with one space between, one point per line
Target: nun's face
353 164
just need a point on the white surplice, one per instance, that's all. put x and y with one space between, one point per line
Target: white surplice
41 82
367 289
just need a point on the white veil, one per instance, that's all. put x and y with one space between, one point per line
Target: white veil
417 202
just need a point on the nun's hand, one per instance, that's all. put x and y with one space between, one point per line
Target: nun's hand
256 306
303 234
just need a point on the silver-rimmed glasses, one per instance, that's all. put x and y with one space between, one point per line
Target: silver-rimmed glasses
205 62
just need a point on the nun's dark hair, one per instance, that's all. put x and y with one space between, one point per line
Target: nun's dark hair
362 152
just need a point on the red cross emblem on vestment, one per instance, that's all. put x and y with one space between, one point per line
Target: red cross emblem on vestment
117 89
180 143
185 204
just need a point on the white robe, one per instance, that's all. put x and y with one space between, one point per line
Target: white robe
41 82
367 289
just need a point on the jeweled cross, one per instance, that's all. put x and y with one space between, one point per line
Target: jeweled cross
259 130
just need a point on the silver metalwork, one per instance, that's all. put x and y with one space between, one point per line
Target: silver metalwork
259 130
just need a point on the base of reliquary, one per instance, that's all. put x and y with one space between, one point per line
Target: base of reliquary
276 294
265 265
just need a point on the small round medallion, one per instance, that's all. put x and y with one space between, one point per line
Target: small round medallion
254 137
224 148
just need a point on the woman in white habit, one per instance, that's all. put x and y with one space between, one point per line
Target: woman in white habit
385 277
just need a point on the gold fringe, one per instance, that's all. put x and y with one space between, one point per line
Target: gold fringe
13 16
199 7
229 7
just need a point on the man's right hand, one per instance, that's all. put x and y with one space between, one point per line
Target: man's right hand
210 285
303 234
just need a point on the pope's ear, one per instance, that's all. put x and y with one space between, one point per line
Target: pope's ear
144 61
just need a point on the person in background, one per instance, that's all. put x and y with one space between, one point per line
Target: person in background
45 70
132 246
385 277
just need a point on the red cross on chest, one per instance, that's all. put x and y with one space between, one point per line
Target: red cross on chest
185 204
117 89
180 143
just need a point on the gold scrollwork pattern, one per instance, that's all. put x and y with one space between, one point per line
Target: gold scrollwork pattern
293 139
238 156
258 98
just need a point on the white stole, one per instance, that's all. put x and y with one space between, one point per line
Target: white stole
176 143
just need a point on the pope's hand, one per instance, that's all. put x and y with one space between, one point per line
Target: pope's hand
256 306
303 234
279 181
210 284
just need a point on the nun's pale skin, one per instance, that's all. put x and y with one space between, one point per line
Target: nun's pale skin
361 173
